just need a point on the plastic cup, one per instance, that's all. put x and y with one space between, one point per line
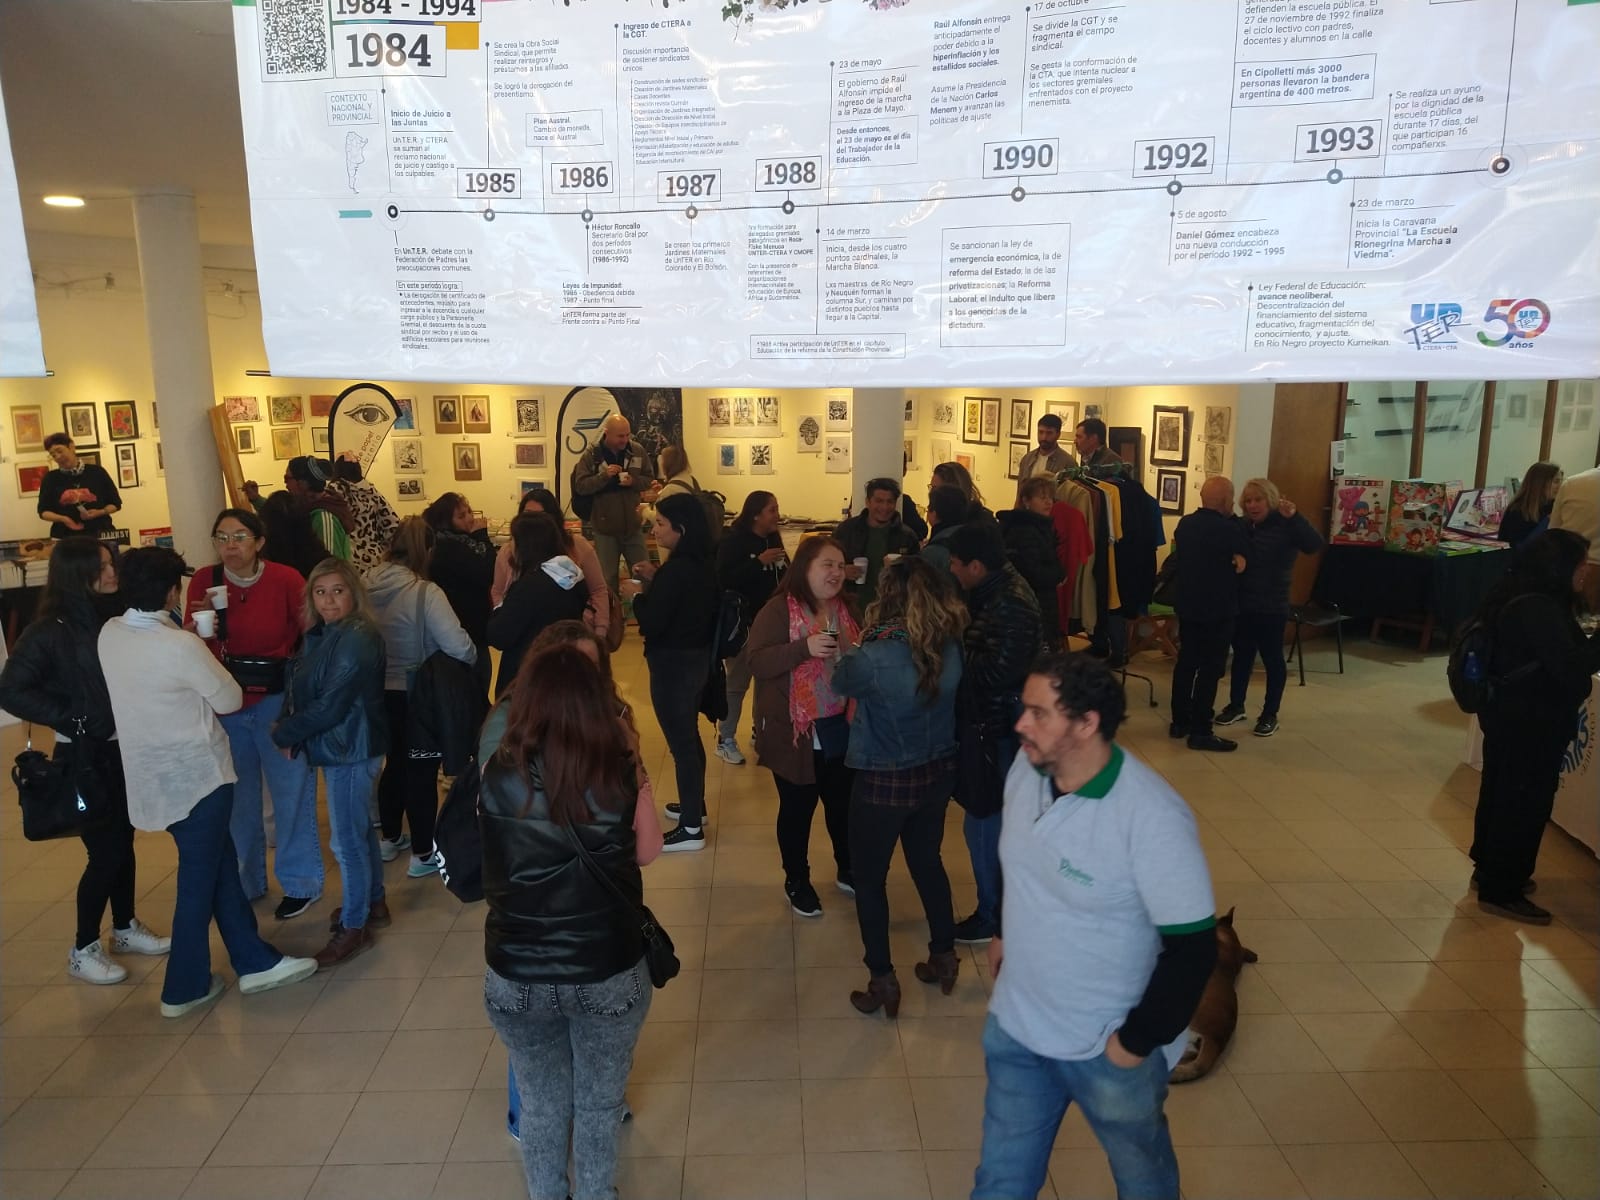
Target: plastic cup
205 623
218 596
861 565
890 558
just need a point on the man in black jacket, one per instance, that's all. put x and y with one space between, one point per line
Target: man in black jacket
1002 641
1211 550
1029 535
872 533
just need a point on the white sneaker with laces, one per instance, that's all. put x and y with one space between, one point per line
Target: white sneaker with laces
288 970
389 851
92 965
422 866
139 938
728 751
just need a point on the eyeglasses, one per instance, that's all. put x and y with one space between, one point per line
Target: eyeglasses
237 539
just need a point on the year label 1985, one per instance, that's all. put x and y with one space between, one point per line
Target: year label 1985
570 178
360 50
1037 156
489 183
791 174
1174 156
1357 139
690 187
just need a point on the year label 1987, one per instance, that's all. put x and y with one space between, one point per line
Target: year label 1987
489 183
571 178
691 187
1036 156
360 50
1174 156
791 174
1355 139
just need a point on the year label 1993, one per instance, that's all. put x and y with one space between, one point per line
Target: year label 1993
571 178
360 50
791 174
1357 139
1174 156
489 183
1037 156
694 187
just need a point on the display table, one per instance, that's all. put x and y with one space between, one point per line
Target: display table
1577 807
1394 587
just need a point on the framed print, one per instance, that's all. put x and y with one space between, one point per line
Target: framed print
940 449
532 454
475 412
319 440
447 414
468 460
127 466
92 458
761 458
966 461
1219 421
836 456
161 461
744 413
408 456
1017 452
322 406
1022 418
406 422
991 423
408 489
30 476
909 419
533 485
944 416
244 439
1214 460
839 413
241 408
530 416
1067 410
155 415
809 434
1169 437
1127 443
972 421
909 451
287 410
82 426
719 412
1096 411
767 414
1169 491
286 443
727 458
1517 406
122 420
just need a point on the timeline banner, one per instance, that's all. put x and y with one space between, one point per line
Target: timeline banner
21 352
924 192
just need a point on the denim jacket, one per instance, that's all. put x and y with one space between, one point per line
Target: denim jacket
895 725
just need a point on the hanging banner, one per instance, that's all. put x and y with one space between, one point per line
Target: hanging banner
20 350
924 192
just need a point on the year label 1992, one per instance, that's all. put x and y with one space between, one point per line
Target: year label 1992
1036 156
1174 156
791 174
1355 139
570 178
489 183
360 50
690 187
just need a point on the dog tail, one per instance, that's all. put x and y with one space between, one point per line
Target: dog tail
1197 1060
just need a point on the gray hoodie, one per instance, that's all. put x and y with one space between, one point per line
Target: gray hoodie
394 590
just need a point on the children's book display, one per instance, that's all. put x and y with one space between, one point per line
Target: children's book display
1476 515
1416 516
1360 511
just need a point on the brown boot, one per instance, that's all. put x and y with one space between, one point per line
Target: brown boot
882 992
941 969
344 945
377 917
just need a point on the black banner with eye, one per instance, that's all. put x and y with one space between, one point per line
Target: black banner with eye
359 420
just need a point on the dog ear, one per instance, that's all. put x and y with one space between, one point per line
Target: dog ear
1226 919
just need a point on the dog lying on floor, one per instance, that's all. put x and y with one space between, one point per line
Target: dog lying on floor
1214 1020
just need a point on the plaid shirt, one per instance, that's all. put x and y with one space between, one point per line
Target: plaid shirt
905 788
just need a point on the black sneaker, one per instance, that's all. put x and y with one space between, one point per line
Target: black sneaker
803 898
683 838
1231 715
1529 886
1210 741
1266 726
1521 909
1177 731
673 809
974 932
291 907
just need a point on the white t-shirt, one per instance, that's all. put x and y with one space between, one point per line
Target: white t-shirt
1577 508
1093 880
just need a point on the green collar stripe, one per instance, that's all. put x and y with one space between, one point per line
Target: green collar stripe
1098 787
1199 926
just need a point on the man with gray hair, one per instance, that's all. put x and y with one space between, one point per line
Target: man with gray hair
1211 549
614 471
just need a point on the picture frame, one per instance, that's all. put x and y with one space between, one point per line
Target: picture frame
761 458
1067 410
909 450
991 422
92 458
155 416
447 414
1017 451
1517 406
1219 423
287 410
122 421
320 440
475 414
909 417
286 443
529 415
532 455
1169 490
467 459
161 462
409 489
322 406
82 425
30 477
406 422
768 412
967 461
838 410
532 485
719 412
727 458
744 413
1021 419
944 416
808 434
1169 436
1094 412
837 455
127 466
1214 459
244 439
939 448
408 456
980 420
239 409
1127 443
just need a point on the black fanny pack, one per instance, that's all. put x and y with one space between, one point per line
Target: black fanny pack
257 676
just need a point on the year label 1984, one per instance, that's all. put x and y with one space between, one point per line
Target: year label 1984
360 50
571 178
489 183
1174 156
1036 156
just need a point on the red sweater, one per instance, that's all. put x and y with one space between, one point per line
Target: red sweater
263 619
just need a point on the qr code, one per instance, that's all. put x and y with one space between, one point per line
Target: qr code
296 41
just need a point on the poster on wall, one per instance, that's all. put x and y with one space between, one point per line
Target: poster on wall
761 462
530 416
728 458
808 434
836 455
21 351
944 416
1272 197
839 405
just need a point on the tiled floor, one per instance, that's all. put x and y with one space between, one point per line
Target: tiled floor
1391 1041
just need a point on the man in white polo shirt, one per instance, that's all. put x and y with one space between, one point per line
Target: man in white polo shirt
1108 942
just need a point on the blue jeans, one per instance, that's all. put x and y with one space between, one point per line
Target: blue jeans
1028 1095
630 547
983 844
208 887
298 861
355 841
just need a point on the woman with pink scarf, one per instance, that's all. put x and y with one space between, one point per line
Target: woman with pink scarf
801 728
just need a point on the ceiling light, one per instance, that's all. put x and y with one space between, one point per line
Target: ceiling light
64 201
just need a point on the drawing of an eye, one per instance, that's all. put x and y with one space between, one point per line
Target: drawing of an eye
366 414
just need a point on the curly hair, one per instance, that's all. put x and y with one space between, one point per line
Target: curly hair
925 603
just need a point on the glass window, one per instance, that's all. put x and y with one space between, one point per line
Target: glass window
1377 426
1577 431
1450 445
1518 421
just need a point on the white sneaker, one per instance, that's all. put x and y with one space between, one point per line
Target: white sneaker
139 938
423 865
728 752
389 851
188 1006
289 970
93 966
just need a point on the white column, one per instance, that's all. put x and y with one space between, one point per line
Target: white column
168 237
878 439
1252 431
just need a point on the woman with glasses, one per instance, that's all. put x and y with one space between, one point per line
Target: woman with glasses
256 628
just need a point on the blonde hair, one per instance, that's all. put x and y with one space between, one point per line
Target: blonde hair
412 546
1530 497
352 580
674 461
1266 487
956 475
924 601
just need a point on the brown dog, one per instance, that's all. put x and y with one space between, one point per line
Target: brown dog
1214 1020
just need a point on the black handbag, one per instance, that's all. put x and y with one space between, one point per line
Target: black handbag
59 797
458 838
980 780
660 958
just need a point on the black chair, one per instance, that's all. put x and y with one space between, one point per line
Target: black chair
1317 616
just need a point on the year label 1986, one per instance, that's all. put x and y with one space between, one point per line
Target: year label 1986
1357 139
1174 156
693 187
489 183
571 178
1037 156
791 174
360 50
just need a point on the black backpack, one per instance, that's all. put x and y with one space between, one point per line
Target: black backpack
716 509
458 839
582 506
1472 681
732 628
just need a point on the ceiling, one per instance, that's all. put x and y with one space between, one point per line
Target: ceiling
107 99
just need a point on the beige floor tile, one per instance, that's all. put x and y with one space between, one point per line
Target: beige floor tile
1252 902
1309 1108
1508 984
1416 1106
460 953
1257 834
866 1175
949 1112
740 1176
1467 1040
1406 898
1254 996
1476 1170
679 1000
852 1047
108 1066
146 1183
27 1062
1283 941
1436 862
1373 1172
1289 866
74 1010
1584 1082
1367 865
675 907
859 1114
1560 1039
1406 833
748 995
1076 1174
1412 986
1318 987
400 1127
1237 1173
50 1133
431 1060
650 1177
747 1050
1529 1104
1568 1163
660 1120
747 906
1213 1112
663 1054
265 1182
409 1181
30 1184
454 1003
324 1062
397 955
359 1005
231 1062
278 1011
1578 979
1365 1042
1363 939
1272 1044
481 1135
303 1127
1325 900
167 1131
943 1047
748 947
480 1181
758 1117
1335 834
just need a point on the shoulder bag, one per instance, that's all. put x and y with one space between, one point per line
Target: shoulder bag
59 797
660 957
256 676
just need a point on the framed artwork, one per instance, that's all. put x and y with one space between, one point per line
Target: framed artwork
319 440
122 420
241 408
1021 419
161 461
944 416
744 412
1017 452
761 458
533 485
286 443
909 450
127 466
532 454
809 435
1067 410
30 477
940 449
287 410
1517 406
530 415
92 458
82 426
909 419
155 415
1214 459
991 422
1219 422
839 414
408 456
244 439
321 406
1096 411
1169 491
1169 437
727 458
719 412
1127 443
468 460
767 414
408 489
447 414
406 422
966 461
476 413
836 456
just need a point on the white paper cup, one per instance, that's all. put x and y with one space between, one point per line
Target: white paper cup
861 564
205 623
218 596
890 558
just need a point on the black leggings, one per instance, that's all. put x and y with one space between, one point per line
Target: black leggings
408 787
797 802
109 873
874 829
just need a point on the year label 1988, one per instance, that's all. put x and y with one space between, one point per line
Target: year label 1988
1357 139
693 187
360 50
489 183
1174 156
1037 156
791 174
582 177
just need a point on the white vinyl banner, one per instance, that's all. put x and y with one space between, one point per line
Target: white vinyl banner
925 192
20 350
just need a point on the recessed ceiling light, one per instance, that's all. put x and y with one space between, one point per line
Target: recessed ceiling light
64 201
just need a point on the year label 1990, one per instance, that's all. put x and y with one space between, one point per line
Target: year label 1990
1355 139
571 178
791 174
690 187
489 183
1036 156
1174 156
